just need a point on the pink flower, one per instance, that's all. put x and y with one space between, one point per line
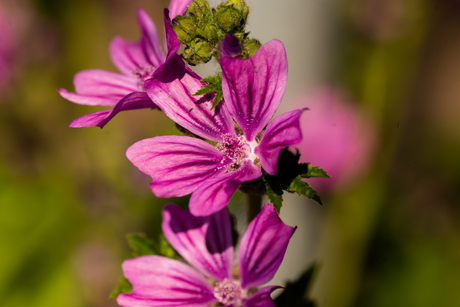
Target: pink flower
337 138
206 243
6 47
180 165
137 62
15 18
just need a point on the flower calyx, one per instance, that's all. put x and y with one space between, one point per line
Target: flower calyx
214 32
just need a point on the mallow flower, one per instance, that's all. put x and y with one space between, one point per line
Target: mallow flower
136 61
206 244
336 135
252 91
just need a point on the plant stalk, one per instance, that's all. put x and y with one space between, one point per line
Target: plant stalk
255 205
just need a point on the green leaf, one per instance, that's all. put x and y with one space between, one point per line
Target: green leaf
288 178
294 293
313 171
141 245
302 188
214 86
124 286
276 198
165 249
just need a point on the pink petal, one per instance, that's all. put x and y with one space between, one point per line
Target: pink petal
262 298
205 242
177 164
145 53
253 88
193 113
178 7
181 71
159 281
170 39
262 248
281 132
133 101
87 100
215 193
174 63
90 120
99 87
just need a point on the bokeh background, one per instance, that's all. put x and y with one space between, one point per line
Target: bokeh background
382 80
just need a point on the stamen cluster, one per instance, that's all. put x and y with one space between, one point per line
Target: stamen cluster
141 74
235 149
228 292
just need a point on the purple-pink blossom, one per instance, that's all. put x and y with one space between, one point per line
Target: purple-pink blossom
6 46
252 91
206 244
136 61
15 19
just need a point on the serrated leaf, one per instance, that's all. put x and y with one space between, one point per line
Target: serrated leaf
141 245
214 86
124 286
302 188
218 98
313 171
276 198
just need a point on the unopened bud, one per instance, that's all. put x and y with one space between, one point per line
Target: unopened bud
228 18
202 50
199 9
241 6
208 31
187 55
250 47
185 28
230 46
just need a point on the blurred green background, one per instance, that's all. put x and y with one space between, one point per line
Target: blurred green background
69 196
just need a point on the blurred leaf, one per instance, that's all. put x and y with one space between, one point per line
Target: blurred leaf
141 245
124 286
164 248
294 293
214 86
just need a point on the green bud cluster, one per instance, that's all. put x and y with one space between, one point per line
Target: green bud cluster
231 16
202 29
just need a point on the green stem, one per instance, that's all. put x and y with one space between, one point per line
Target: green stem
255 205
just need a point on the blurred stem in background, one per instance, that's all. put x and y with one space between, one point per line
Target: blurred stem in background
377 69
370 255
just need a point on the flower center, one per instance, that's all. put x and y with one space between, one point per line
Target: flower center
228 292
141 74
235 149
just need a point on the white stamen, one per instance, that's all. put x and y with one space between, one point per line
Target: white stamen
228 292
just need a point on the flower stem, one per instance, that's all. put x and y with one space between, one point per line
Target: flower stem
255 205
